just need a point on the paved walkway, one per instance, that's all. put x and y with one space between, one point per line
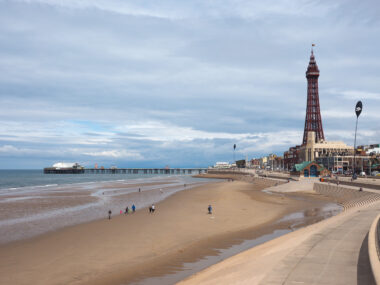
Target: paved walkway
337 254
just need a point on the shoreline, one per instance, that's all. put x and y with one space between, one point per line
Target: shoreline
113 252
28 213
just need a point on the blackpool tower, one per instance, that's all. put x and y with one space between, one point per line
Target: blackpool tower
313 120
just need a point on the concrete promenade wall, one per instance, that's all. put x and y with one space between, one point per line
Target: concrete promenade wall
346 196
374 249
355 184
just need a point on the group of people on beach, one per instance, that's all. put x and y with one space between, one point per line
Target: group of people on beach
127 210
152 208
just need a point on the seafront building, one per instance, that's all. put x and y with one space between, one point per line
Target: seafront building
316 155
314 147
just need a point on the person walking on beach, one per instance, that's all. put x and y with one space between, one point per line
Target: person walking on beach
209 209
133 208
139 189
109 214
153 208
126 210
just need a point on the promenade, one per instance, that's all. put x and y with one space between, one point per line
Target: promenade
334 254
334 251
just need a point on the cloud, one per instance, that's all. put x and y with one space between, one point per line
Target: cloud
8 149
171 82
116 154
170 9
355 94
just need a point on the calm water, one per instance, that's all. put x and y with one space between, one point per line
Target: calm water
22 178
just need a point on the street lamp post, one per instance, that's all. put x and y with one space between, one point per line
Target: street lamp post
234 152
358 110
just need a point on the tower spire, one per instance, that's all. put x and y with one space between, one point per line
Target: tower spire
313 120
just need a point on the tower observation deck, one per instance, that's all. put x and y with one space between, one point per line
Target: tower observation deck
313 120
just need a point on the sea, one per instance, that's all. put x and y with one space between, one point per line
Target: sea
34 203
26 178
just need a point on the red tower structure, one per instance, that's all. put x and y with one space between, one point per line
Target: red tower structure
313 120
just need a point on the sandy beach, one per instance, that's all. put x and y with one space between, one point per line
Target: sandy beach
131 248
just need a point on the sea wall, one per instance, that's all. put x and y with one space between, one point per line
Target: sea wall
346 196
374 248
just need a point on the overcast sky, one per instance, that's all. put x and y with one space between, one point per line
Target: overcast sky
155 83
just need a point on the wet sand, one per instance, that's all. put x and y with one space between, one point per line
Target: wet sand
133 248
29 211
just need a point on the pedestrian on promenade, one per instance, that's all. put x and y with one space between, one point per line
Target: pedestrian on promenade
109 214
133 208
209 209
360 189
139 189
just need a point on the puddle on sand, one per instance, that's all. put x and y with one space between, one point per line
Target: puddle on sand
324 212
188 269
294 220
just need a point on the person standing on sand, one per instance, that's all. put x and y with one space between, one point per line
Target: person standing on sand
209 209
126 210
139 189
153 208
133 208
109 214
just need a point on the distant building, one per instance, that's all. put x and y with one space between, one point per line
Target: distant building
241 163
309 169
222 164
314 149
60 165
291 157
64 168
255 163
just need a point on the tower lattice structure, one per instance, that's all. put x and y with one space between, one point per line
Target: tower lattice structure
313 120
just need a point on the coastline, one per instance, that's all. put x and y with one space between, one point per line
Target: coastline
137 247
33 210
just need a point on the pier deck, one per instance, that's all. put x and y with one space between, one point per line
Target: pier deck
173 171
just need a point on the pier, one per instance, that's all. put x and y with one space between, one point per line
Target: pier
170 171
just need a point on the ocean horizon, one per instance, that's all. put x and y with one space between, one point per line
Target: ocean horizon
17 178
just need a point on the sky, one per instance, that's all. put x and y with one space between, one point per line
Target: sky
156 83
